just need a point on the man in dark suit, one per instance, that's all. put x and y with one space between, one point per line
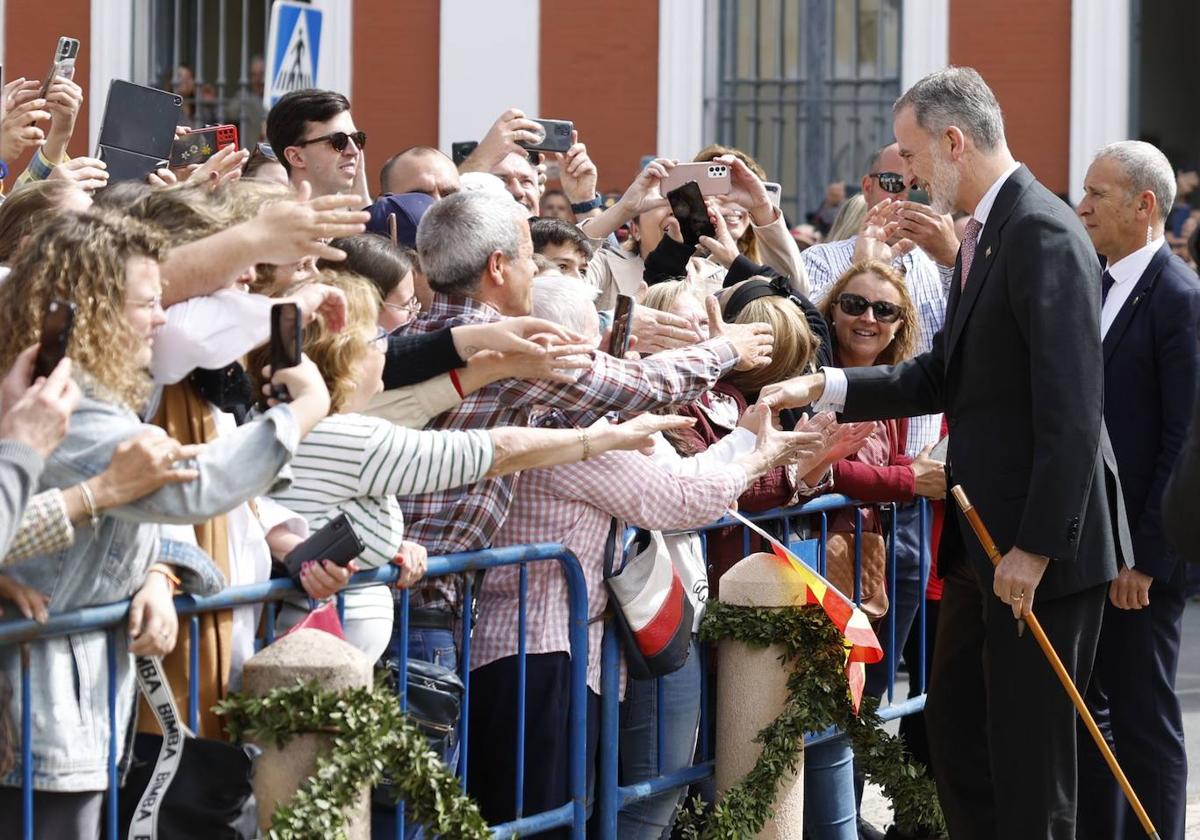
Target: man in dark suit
1150 327
1018 372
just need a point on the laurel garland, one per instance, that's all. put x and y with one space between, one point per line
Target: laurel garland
817 699
370 737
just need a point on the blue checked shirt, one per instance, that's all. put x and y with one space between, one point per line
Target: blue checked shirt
928 285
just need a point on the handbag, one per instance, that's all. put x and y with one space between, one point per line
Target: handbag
839 569
197 788
435 695
650 606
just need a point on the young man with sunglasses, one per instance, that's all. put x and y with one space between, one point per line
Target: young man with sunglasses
313 135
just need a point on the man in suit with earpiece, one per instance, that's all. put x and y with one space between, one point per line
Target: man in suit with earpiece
1018 372
1150 328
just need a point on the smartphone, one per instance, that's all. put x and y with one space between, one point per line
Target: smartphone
774 192
335 541
200 144
622 327
713 178
57 323
286 343
137 130
687 205
556 136
63 64
462 150
941 449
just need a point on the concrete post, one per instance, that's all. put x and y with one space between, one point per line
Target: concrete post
752 689
334 665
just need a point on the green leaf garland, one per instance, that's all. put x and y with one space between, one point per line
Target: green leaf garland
370 737
818 698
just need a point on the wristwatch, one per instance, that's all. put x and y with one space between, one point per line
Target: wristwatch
4 171
587 206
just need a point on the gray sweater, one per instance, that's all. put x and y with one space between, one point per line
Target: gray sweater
20 471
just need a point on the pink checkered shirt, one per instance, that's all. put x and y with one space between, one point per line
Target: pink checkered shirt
467 518
575 505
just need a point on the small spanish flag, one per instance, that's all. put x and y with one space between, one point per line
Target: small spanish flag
861 643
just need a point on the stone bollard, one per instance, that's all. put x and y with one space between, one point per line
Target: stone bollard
335 665
752 689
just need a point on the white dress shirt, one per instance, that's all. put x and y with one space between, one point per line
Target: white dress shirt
834 396
1125 273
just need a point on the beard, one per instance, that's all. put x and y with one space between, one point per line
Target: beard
943 184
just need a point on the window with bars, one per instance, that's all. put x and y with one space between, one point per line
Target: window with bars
210 52
805 86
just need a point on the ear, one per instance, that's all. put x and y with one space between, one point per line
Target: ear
958 141
495 268
294 157
865 185
1146 203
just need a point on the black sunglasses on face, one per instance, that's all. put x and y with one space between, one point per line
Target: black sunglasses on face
339 140
855 305
892 182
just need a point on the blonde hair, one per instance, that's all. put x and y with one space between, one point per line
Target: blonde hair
663 296
748 244
904 342
25 209
795 346
849 218
336 354
82 258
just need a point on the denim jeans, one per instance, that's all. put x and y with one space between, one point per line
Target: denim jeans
829 810
651 818
439 647
911 557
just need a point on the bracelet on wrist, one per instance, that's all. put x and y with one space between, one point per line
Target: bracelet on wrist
588 206
165 570
587 444
89 504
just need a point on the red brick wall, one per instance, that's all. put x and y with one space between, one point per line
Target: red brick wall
599 67
395 96
1023 50
31 32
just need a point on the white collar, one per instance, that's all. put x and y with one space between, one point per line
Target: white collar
984 207
1132 266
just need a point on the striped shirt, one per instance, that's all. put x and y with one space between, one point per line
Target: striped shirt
358 465
928 285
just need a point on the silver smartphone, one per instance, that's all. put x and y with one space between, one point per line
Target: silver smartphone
63 64
774 191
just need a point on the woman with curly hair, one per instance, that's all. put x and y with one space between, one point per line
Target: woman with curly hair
108 267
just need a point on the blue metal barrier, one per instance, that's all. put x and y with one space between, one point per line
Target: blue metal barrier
572 814
612 797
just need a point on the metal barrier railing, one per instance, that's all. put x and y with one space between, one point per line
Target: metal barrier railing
611 797
108 619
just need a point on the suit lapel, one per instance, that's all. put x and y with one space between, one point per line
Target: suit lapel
985 254
1144 284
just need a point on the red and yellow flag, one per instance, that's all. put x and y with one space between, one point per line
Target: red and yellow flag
861 643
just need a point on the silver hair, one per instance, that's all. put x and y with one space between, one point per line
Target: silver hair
960 97
567 302
1146 168
458 235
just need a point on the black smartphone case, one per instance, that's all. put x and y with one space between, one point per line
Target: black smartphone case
687 205
138 129
336 541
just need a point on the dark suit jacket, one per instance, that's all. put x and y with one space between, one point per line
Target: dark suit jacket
1180 511
1151 368
1018 373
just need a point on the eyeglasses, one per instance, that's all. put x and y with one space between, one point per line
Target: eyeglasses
380 341
266 151
412 306
339 140
855 305
892 182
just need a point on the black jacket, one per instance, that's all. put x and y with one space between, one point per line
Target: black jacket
1018 372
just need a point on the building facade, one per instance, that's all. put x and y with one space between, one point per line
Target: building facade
804 85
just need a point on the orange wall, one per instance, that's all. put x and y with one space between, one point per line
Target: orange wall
31 33
395 96
1025 55
599 68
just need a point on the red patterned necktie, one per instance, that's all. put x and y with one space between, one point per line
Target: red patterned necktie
969 242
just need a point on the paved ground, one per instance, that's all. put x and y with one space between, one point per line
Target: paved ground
876 808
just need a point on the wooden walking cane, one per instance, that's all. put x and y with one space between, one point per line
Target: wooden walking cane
989 547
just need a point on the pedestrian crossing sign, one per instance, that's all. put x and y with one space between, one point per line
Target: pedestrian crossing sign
293 49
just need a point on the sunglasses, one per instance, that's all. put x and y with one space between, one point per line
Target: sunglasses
855 305
892 182
339 140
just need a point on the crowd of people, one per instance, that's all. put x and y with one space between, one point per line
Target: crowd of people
455 393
